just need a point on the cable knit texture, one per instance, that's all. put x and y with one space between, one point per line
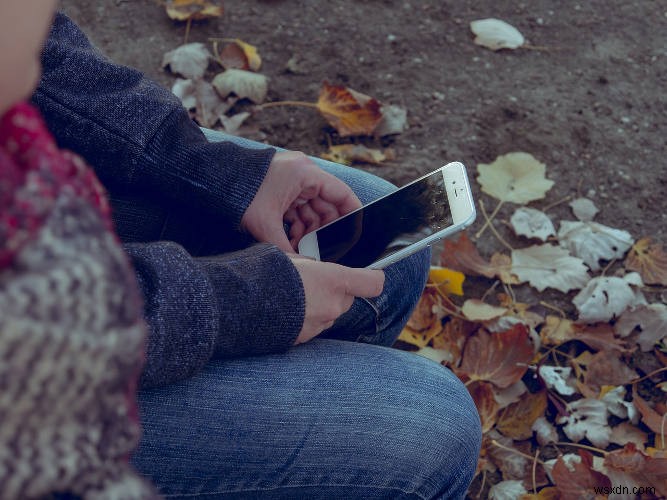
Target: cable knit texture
71 332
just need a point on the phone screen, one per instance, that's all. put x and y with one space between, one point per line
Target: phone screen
387 225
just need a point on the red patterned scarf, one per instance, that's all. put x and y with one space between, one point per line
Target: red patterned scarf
71 328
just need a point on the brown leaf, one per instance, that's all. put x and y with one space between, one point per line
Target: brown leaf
653 420
349 112
453 337
516 421
512 458
500 358
347 154
580 482
423 315
239 55
185 10
649 259
604 368
600 337
462 255
642 469
482 395
548 493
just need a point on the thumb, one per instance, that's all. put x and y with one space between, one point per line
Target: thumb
363 282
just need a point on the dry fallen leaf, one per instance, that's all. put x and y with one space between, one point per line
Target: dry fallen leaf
453 337
583 209
239 55
510 489
347 154
189 60
394 120
593 242
516 421
496 34
500 358
649 259
447 281
650 318
653 420
233 123
244 84
604 298
642 469
545 432
532 223
549 266
348 111
578 479
614 398
558 378
462 255
515 177
476 310
625 433
185 10
587 418
487 407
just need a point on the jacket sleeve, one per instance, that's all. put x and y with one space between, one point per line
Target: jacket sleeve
136 134
242 303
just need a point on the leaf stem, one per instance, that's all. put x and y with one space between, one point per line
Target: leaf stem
649 375
491 226
584 447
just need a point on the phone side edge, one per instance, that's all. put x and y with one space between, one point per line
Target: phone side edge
309 246
459 194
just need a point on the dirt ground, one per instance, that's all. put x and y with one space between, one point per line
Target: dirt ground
591 104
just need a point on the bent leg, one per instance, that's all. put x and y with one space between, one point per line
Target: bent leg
329 419
378 320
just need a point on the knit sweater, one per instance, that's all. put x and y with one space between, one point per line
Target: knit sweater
177 200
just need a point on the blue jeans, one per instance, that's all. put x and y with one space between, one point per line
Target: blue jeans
328 419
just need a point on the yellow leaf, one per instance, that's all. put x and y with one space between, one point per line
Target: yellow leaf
649 259
447 280
238 54
351 153
251 53
349 112
516 421
185 10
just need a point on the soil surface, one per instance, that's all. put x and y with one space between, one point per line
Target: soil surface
589 101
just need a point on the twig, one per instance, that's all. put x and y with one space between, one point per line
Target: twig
554 308
512 450
489 290
583 446
649 375
481 488
537 452
187 30
287 103
491 226
556 203
493 214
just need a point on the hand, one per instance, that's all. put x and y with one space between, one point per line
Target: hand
330 290
297 191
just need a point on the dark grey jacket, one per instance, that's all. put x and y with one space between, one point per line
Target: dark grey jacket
178 200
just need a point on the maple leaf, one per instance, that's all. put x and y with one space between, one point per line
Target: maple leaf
649 259
604 368
500 358
579 480
600 337
195 10
549 266
348 111
358 153
650 318
516 421
516 177
592 242
532 223
487 407
496 34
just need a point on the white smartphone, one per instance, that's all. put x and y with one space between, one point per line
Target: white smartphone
399 224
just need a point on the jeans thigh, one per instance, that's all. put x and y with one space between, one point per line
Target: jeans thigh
328 419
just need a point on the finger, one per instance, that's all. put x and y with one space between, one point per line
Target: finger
339 194
326 210
309 217
297 227
362 282
276 234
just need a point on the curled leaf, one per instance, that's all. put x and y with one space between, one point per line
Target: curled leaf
462 255
515 177
476 310
244 84
496 34
593 242
487 407
583 209
532 223
347 154
651 319
185 10
189 60
394 120
587 419
348 111
649 259
603 299
239 55
446 280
